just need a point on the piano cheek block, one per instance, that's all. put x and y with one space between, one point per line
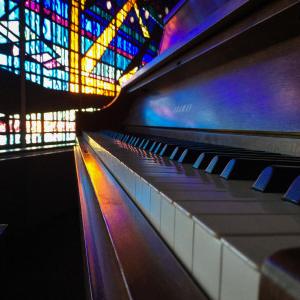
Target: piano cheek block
293 193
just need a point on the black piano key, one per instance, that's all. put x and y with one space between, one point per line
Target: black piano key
249 169
136 142
150 149
293 192
131 140
276 179
163 150
176 153
157 148
119 136
202 163
141 143
146 145
113 135
189 156
145 141
217 164
243 169
151 145
125 139
167 150
203 160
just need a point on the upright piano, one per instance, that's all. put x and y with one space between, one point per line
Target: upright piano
204 145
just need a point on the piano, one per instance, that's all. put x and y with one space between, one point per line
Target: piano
202 150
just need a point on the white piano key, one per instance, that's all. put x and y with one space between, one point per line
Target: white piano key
216 226
249 252
132 178
240 278
138 190
207 260
184 236
257 248
145 197
155 208
167 225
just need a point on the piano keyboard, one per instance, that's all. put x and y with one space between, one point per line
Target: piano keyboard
220 209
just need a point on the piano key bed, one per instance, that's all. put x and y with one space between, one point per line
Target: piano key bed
206 203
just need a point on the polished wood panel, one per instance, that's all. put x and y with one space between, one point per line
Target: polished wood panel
242 79
103 275
150 269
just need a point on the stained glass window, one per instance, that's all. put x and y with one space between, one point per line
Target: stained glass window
41 128
9 36
77 45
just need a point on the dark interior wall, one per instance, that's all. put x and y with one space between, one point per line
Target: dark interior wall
39 202
111 118
38 188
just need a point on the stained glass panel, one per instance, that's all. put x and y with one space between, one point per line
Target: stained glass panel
76 47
